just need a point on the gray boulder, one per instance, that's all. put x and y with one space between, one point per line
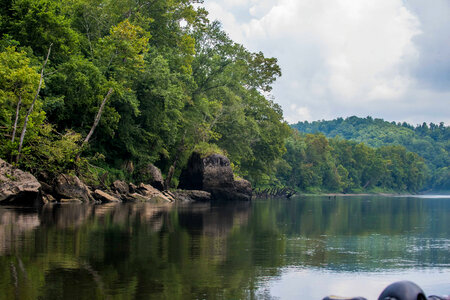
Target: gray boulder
243 189
71 187
147 193
151 174
17 186
192 196
121 187
213 174
105 197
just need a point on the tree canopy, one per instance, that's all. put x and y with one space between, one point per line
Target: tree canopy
179 83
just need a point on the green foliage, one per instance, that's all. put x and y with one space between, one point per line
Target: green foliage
38 23
180 84
441 179
50 152
18 84
314 163
121 54
18 81
432 142
74 94
205 149
229 108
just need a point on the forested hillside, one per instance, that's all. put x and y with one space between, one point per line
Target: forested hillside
314 163
128 83
430 141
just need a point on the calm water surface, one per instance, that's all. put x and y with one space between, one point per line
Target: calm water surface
304 248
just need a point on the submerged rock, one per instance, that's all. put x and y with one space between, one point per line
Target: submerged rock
213 174
17 186
71 187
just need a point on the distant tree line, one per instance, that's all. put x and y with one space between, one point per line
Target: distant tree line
314 163
430 141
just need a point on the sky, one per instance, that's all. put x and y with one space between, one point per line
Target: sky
388 59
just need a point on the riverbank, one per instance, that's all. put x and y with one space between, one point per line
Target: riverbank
205 178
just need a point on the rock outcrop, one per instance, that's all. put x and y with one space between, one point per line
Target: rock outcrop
71 187
121 187
152 175
192 196
213 174
154 194
243 189
121 191
17 186
105 197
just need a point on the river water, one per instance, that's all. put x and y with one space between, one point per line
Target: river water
303 248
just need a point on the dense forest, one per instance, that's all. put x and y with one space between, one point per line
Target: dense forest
103 88
430 141
128 83
314 163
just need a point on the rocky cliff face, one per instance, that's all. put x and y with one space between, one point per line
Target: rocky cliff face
17 186
213 174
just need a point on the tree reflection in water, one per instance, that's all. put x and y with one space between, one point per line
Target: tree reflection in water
226 251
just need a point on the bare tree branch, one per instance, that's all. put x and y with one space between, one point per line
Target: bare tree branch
97 119
24 129
17 118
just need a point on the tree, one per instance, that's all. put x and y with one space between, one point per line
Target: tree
39 23
19 82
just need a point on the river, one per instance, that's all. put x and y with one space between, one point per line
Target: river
303 248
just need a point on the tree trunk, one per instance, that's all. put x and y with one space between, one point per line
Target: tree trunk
17 118
172 168
24 129
97 119
366 185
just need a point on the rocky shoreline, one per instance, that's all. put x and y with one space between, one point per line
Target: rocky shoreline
208 178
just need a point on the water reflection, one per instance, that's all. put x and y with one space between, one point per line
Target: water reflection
14 224
203 251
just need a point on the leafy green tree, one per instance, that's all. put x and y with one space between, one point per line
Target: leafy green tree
19 82
37 24
229 108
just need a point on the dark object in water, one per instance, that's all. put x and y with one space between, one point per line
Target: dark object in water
402 290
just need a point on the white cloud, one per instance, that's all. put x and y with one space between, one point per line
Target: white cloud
337 56
301 112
